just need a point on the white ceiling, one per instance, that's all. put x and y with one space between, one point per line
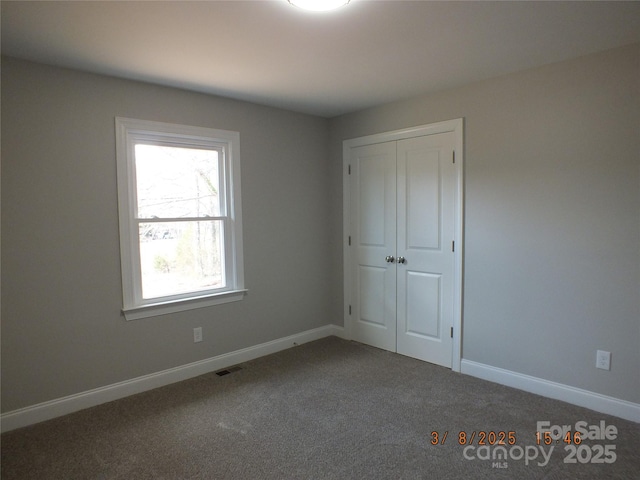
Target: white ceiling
367 53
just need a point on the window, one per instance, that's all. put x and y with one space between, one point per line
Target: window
180 217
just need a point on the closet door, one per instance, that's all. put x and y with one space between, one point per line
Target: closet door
426 185
403 211
373 203
403 241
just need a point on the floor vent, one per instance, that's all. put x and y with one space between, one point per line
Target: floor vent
227 371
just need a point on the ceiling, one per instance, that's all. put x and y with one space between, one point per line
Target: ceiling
367 53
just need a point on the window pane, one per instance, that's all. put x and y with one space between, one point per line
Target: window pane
175 182
179 257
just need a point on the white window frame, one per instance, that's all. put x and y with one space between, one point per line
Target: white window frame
131 131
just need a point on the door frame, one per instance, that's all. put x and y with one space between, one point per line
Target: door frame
457 127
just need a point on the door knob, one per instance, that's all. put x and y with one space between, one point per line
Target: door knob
402 260
389 259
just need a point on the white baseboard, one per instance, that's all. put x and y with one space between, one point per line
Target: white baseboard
72 403
576 396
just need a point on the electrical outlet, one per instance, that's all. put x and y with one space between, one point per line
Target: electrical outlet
603 360
197 334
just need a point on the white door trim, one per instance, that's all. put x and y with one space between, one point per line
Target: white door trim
457 127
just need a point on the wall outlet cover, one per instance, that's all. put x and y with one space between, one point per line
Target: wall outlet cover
197 334
603 360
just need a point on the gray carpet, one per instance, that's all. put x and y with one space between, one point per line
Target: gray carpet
330 409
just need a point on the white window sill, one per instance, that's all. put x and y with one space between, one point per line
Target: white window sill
164 308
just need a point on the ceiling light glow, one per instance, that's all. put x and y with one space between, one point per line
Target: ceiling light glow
319 5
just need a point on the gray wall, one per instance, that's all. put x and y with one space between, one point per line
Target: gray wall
62 332
552 225
552 220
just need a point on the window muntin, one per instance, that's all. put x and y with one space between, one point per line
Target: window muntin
179 204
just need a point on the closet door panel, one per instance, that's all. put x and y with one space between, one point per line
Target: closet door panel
425 232
373 201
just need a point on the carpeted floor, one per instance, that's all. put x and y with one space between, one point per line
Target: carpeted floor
330 409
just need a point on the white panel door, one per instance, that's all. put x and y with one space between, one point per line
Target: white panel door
403 213
426 183
373 199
